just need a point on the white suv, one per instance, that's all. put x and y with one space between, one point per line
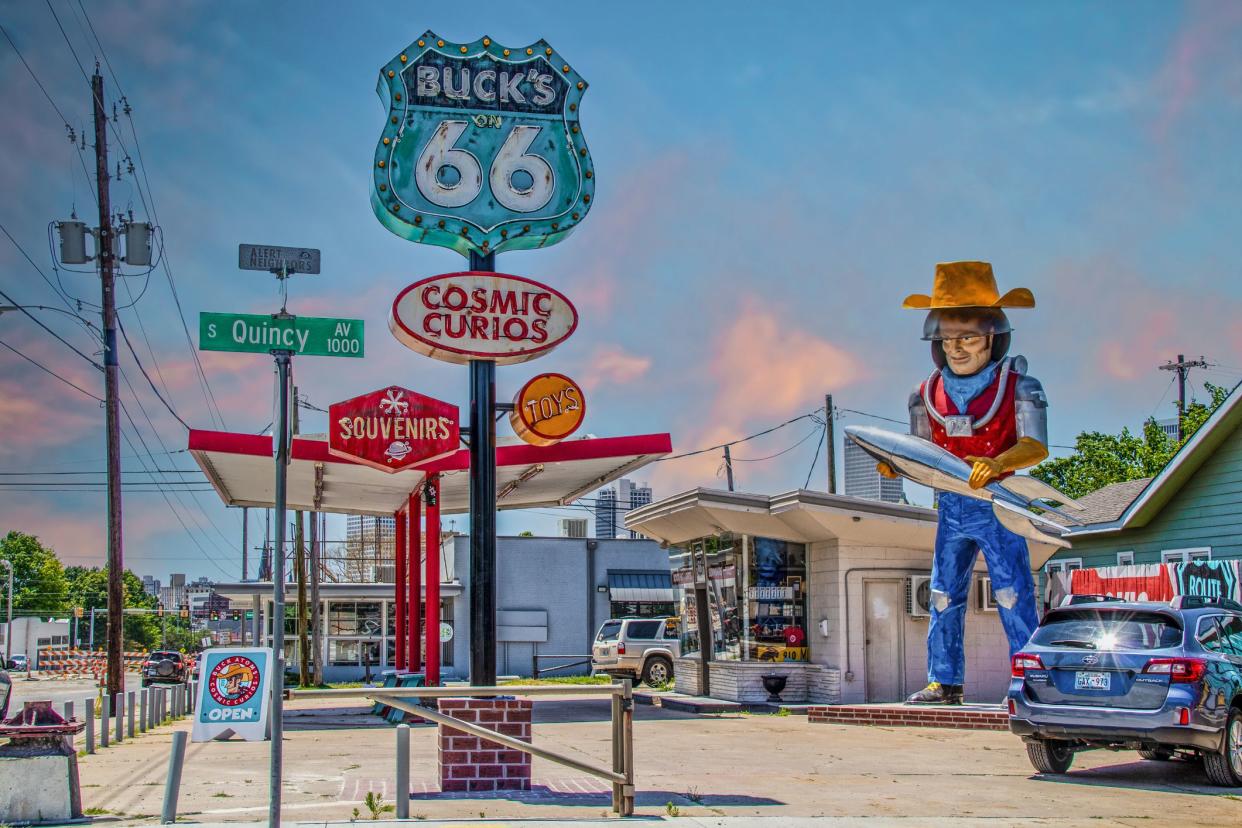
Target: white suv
639 648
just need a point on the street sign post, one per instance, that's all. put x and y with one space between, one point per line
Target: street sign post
482 150
276 259
262 333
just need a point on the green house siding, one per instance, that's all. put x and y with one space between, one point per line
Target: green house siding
1206 511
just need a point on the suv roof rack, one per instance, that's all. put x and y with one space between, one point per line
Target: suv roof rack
1075 600
1185 602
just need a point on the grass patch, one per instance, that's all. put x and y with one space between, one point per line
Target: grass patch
95 811
560 680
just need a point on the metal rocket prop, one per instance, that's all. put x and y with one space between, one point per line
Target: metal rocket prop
1012 498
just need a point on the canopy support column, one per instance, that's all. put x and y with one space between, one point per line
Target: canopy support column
413 583
400 550
432 648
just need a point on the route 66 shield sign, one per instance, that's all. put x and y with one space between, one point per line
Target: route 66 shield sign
482 150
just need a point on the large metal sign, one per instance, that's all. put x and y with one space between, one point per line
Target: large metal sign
276 259
458 317
393 429
262 333
482 150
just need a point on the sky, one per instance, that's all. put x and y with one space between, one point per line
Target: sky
772 180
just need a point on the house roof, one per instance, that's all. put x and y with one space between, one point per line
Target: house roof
1106 504
1159 490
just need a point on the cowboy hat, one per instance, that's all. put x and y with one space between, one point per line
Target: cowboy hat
968 285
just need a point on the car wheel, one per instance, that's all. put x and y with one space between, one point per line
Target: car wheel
1157 754
1224 767
657 670
1050 756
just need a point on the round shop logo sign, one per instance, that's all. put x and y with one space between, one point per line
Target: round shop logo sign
233 681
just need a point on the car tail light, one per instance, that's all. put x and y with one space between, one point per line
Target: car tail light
1026 661
620 648
1013 708
1183 716
1179 670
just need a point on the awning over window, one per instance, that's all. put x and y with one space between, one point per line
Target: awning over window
640 585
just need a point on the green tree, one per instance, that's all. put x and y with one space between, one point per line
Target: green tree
1100 459
39 583
88 588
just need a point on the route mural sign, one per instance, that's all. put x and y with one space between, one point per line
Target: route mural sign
393 429
482 150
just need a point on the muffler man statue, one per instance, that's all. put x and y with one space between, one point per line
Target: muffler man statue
980 405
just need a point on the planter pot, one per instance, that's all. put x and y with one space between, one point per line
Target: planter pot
774 683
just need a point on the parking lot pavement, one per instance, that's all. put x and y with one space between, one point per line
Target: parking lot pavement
704 769
48 686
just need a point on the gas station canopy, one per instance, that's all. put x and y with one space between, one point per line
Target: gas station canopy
241 468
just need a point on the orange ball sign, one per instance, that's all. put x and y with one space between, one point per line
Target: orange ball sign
549 408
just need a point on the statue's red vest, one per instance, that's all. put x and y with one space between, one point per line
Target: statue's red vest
999 435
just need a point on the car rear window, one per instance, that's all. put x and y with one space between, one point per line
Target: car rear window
610 631
1102 630
644 629
161 656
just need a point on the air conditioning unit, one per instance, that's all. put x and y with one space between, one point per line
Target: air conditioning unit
985 598
918 596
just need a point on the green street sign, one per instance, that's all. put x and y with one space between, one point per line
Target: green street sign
482 149
261 334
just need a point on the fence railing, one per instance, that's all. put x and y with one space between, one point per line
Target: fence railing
620 776
537 671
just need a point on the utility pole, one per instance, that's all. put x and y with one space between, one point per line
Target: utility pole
728 467
1182 367
265 558
316 538
116 563
830 443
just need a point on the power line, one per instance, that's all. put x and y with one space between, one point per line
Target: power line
809 415
64 341
72 51
47 370
808 436
815 459
150 382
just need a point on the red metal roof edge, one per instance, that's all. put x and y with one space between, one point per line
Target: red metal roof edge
594 448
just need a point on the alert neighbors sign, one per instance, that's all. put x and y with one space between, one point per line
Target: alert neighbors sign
261 334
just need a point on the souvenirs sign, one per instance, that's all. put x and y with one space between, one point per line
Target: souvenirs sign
482 150
547 409
458 317
393 429
233 694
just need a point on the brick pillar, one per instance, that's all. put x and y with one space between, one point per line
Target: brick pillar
468 763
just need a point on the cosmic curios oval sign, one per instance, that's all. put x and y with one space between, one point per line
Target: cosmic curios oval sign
457 317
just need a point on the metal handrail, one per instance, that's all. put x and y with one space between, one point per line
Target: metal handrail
536 671
622 720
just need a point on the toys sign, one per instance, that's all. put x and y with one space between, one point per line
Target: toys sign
458 317
392 429
547 409
481 150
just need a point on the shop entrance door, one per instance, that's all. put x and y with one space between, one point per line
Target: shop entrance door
883 601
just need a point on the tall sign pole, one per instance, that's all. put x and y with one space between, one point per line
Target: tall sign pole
482 151
116 564
482 509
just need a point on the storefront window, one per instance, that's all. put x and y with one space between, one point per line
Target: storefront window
354 618
756 596
641 609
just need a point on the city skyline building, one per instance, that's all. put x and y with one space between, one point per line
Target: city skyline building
862 480
612 503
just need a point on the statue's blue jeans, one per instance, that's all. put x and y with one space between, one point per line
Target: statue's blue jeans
967 526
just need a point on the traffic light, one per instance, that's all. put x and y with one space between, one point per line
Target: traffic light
77 612
236 615
160 609
185 613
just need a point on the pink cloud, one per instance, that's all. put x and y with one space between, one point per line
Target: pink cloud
1209 34
612 365
36 410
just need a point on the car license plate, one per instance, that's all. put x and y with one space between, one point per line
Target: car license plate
1091 681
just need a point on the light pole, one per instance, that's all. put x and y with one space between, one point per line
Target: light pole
8 624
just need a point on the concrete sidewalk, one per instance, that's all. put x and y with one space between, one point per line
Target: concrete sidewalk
729 770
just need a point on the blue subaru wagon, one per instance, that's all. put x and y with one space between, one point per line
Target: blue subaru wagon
1162 679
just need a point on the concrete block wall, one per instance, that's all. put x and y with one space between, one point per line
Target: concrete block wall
471 763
